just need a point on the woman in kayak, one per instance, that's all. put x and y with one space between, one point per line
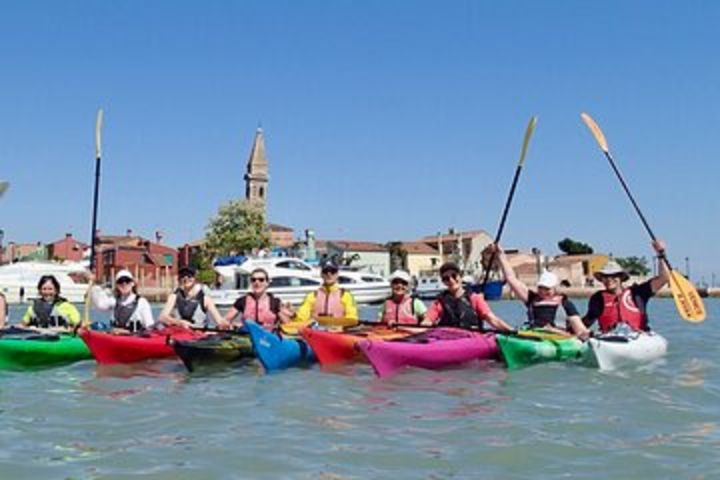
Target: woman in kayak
329 300
616 304
188 306
259 305
51 310
3 310
401 308
457 307
130 311
542 304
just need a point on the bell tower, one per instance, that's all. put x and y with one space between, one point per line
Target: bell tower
256 178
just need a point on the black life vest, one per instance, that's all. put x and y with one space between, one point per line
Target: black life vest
45 315
541 312
122 314
458 312
186 306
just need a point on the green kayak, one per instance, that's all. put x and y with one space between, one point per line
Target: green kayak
23 350
213 349
528 347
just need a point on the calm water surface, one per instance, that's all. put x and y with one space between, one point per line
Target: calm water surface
156 421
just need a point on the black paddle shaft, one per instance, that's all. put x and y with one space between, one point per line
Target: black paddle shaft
93 236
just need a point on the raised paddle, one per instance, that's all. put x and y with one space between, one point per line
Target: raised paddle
528 134
687 300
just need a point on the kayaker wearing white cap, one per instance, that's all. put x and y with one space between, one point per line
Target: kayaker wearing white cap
627 305
188 306
130 311
542 305
401 308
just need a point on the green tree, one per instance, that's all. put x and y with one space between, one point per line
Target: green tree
238 228
572 247
634 265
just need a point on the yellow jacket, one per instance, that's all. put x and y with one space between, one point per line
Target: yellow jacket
61 310
304 313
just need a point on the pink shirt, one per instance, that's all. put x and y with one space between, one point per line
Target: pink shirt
478 303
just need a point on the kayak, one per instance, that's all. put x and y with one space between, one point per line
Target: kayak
278 352
22 349
333 347
617 350
213 349
529 347
436 348
109 348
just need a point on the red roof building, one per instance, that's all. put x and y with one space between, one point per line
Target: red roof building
153 265
67 249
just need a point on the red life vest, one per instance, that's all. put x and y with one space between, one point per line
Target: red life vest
263 311
329 304
620 309
402 313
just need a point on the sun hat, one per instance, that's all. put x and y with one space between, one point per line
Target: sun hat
611 269
124 274
328 266
548 280
400 275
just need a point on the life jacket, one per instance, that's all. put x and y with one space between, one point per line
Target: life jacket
122 315
46 315
329 305
621 309
191 309
402 313
458 312
541 312
264 311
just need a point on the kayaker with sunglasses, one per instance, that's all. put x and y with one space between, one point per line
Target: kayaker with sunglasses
401 308
259 305
616 304
188 306
130 311
457 307
543 303
51 310
329 300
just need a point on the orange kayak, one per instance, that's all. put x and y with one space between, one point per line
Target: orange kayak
332 347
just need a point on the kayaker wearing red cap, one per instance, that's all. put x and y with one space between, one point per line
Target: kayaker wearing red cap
542 304
188 306
130 311
259 305
624 305
329 300
456 307
401 308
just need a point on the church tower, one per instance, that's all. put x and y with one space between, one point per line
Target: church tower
256 178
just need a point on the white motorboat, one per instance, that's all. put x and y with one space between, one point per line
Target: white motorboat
429 287
291 279
25 276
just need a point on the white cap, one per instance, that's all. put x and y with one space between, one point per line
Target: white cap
400 275
548 280
124 274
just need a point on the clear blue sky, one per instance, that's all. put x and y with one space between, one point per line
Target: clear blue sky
384 120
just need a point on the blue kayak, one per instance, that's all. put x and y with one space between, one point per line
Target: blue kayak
276 352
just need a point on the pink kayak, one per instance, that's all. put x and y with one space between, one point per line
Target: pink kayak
436 348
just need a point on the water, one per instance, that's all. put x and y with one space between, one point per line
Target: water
156 421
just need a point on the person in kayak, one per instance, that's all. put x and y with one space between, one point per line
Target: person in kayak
457 307
51 310
616 304
130 311
329 300
259 305
4 310
542 304
401 308
188 306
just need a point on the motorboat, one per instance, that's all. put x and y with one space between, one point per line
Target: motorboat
25 276
291 279
429 287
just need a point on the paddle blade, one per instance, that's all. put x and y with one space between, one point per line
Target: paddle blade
687 299
338 322
3 188
98 129
595 130
528 134
293 328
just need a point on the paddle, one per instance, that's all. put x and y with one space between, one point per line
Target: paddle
528 134
687 300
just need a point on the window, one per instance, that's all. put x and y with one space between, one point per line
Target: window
262 192
371 279
345 280
293 265
280 282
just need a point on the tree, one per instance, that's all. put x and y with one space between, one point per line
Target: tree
238 228
572 247
634 265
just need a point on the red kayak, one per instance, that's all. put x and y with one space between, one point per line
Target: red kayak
109 348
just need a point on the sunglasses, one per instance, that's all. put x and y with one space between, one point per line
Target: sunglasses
399 282
258 279
187 277
447 278
329 272
123 281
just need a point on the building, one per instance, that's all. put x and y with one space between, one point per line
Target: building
420 259
67 249
281 236
370 256
256 178
577 270
154 265
20 252
464 248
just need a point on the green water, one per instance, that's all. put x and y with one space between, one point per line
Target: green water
156 421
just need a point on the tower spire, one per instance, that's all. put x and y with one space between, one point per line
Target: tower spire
256 178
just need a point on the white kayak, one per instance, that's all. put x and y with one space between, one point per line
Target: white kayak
616 350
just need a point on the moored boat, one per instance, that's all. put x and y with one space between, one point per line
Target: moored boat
277 351
222 348
109 348
626 349
22 349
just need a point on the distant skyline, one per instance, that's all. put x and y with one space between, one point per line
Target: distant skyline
383 120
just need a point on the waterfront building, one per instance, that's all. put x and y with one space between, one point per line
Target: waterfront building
67 248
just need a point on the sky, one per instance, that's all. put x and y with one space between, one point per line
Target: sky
383 120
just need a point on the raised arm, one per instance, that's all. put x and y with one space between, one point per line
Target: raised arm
663 276
520 289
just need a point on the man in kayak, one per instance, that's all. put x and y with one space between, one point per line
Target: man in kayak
51 310
457 307
401 308
259 305
188 306
616 304
542 304
329 300
130 311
